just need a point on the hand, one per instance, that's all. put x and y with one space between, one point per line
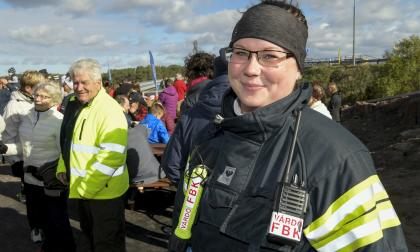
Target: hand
63 178
3 148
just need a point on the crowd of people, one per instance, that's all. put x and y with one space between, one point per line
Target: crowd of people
241 133
65 139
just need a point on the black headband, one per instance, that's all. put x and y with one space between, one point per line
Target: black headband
276 25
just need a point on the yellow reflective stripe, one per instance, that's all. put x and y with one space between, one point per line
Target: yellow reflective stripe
108 170
355 207
113 147
347 207
362 231
388 216
85 148
77 172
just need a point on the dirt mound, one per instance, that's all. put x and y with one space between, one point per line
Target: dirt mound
391 130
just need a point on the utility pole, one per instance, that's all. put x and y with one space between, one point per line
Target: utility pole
195 47
354 31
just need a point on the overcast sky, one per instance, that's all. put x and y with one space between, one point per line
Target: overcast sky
51 34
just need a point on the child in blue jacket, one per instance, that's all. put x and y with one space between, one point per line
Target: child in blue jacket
158 132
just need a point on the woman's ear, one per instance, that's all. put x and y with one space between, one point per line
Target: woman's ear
298 75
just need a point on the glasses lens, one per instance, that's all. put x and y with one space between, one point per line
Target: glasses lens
239 56
43 97
271 58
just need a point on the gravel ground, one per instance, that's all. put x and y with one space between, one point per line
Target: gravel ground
147 226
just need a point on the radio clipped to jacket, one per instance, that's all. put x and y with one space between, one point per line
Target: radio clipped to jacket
286 222
290 203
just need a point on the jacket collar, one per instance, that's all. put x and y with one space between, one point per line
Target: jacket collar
18 95
261 123
97 98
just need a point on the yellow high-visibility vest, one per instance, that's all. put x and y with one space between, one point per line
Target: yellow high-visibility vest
98 151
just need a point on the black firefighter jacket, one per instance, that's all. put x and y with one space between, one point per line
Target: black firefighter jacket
348 207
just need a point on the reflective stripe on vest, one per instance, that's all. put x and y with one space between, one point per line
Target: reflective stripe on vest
103 146
100 167
85 148
112 147
108 170
77 172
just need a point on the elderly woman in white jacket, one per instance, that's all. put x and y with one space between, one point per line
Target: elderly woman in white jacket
2 125
39 142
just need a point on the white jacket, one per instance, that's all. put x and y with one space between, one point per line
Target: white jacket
18 106
2 125
38 139
321 108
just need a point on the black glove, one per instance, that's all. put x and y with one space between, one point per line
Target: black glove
3 147
34 171
47 171
17 169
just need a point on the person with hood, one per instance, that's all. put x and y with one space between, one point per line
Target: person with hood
335 101
196 123
169 99
277 175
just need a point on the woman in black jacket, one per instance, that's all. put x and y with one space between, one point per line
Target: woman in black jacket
278 176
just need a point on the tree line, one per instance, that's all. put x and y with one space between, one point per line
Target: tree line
398 75
142 73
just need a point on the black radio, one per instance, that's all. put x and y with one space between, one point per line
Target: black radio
286 222
290 203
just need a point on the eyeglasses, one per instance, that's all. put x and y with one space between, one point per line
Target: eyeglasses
269 58
43 97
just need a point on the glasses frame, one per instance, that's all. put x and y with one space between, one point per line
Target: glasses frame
43 97
228 50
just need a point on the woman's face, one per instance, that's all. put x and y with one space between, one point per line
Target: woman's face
42 100
257 86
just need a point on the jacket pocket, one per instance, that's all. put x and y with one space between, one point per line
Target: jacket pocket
249 222
216 205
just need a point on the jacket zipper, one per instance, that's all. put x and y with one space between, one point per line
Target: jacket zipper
81 130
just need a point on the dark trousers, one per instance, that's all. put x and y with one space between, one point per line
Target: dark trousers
58 232
103 222
36 206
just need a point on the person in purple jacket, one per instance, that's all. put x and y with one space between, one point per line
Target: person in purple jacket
169 98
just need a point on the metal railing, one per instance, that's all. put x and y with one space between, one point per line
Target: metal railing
344 61
149 85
